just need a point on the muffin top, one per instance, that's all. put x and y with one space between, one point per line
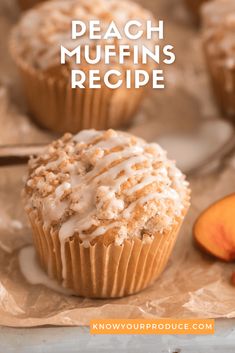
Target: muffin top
219 30
38 37
105 186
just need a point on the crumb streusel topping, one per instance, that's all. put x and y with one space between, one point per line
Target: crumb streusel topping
43 29
105 182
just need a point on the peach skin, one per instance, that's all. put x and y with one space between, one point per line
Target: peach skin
214 230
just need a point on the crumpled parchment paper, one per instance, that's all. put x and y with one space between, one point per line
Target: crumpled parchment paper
194 284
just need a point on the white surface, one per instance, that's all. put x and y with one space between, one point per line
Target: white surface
76 340
200 145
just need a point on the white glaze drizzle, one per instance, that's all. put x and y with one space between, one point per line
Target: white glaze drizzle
33 273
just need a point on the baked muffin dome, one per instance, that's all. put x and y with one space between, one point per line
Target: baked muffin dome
217 10
43 30
106 186
219 29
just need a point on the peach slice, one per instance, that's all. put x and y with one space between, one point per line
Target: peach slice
214 230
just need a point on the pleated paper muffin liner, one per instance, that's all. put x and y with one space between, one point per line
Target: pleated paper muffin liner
103 271
223 83
56 106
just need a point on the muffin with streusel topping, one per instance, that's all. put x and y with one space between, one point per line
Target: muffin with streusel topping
219 46
36 48
105 209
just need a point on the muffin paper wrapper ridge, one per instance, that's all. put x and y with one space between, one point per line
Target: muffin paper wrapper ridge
104 271
192 285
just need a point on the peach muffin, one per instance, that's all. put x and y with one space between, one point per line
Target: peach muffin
105 209
219 47
36 43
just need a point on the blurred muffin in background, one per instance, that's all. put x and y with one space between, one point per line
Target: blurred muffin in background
35 47
218 19
26 4
194 7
